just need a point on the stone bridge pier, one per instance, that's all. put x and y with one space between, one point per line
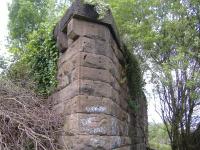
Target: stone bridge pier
91 93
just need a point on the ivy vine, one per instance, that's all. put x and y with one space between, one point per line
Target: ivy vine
134 78
43 59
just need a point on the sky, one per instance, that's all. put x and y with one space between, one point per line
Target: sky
152 102
3 26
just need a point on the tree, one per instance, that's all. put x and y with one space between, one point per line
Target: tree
177 70
158 137
31 42
165 35
25 17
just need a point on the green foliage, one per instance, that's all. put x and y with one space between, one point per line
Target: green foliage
130 18
25 17
18 70
31 41
165 37
43 57
39 63
133 104
158 137
134 77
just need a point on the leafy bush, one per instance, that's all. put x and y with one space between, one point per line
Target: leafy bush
39 63
32 43
43 56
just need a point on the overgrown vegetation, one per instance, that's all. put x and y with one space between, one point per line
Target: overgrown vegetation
43 57
165 36
32 44
31 119
134 79
26 121
39 63
158 137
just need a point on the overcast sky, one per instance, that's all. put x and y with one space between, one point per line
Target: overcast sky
3 25
153 116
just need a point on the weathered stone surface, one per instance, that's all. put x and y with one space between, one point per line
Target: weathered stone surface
92 93
95 124
90 46
91 142
137 140
93 74
117 51
86 73
64 80
67 93
90 88
100 62
94 46
99 89
92 61
91 104
87 12
99 47
74 49
88 29
62 43
124 148
140 146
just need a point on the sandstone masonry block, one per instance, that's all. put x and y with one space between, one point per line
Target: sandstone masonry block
94 105
92 93
62 41
95 124
100 62
84 142
85 28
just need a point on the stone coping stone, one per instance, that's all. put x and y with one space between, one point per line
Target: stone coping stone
87 12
